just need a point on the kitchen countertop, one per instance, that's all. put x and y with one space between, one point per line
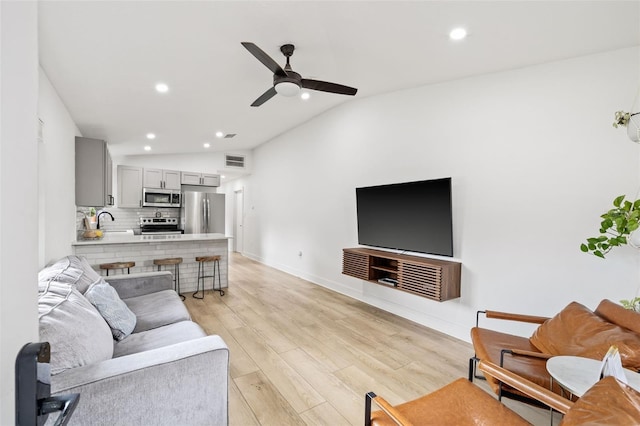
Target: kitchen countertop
119 238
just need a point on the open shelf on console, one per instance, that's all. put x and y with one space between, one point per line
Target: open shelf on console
431 278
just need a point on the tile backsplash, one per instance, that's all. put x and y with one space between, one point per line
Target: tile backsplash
124 218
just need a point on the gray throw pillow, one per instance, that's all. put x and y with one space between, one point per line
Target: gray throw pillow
77 333
73 270
117 314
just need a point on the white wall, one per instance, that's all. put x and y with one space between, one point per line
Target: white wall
56 157
18 190
534 161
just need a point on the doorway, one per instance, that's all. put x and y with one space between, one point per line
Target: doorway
238 221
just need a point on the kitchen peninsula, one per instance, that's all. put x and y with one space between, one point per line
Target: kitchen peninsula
142 249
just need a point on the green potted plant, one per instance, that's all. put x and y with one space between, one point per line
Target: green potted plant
616 227
633 304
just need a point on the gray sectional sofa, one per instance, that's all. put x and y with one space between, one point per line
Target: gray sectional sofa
133 354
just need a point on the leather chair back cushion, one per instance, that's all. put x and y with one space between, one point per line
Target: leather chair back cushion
608 402
578 331
76 331
617 314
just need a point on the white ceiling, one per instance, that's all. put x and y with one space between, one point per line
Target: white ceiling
104 58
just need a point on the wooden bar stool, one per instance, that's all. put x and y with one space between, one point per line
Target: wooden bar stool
175 261
118 265
201 274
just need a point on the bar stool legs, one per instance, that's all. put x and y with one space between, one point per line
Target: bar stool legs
201 275
175 261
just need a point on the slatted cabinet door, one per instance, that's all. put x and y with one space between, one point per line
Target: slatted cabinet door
355 265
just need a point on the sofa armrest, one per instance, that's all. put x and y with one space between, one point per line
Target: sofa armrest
132 285
185 383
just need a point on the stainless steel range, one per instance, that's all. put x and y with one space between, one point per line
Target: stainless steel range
159 226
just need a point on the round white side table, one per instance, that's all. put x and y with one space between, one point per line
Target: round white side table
577 374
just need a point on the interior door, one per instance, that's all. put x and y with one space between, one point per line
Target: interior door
238 230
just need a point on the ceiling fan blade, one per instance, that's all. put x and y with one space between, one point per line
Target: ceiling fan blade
264 97
264 58
325 86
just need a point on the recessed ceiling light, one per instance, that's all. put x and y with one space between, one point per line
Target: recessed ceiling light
151 136
162 88
147 148
219 134
222 177
207 145
305 95
458 34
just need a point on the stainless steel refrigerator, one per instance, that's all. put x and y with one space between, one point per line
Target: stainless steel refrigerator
202 212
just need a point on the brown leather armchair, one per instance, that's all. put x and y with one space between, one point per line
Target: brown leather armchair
462 403
575 330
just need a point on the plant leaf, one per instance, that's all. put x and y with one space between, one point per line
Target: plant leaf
618 200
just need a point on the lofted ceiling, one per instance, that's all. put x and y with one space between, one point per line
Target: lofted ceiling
105 57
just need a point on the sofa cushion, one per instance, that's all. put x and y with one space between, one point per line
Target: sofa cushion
158 337
578 331
157 309
78 335
73 270
112 308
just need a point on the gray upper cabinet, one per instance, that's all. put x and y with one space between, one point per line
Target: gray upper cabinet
129 187
161 179
204 179
94 174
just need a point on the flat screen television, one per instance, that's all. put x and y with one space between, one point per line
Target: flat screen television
411 216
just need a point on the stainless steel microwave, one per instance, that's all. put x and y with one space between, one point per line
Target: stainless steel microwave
153 197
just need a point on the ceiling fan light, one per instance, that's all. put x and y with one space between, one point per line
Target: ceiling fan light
287 88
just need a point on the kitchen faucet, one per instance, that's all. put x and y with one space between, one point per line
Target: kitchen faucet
100 214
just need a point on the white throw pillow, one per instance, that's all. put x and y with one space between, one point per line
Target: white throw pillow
117 314
77 333
71 270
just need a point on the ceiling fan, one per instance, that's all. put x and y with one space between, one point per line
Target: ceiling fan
287 82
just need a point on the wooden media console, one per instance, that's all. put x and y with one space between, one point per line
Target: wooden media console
431 278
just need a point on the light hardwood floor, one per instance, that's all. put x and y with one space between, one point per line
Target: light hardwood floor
302 354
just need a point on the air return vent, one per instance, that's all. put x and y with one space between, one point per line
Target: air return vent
236 161
230 135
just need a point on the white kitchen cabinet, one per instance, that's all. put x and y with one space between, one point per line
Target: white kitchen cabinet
129 187
203 179
94 176
210 180
161 179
